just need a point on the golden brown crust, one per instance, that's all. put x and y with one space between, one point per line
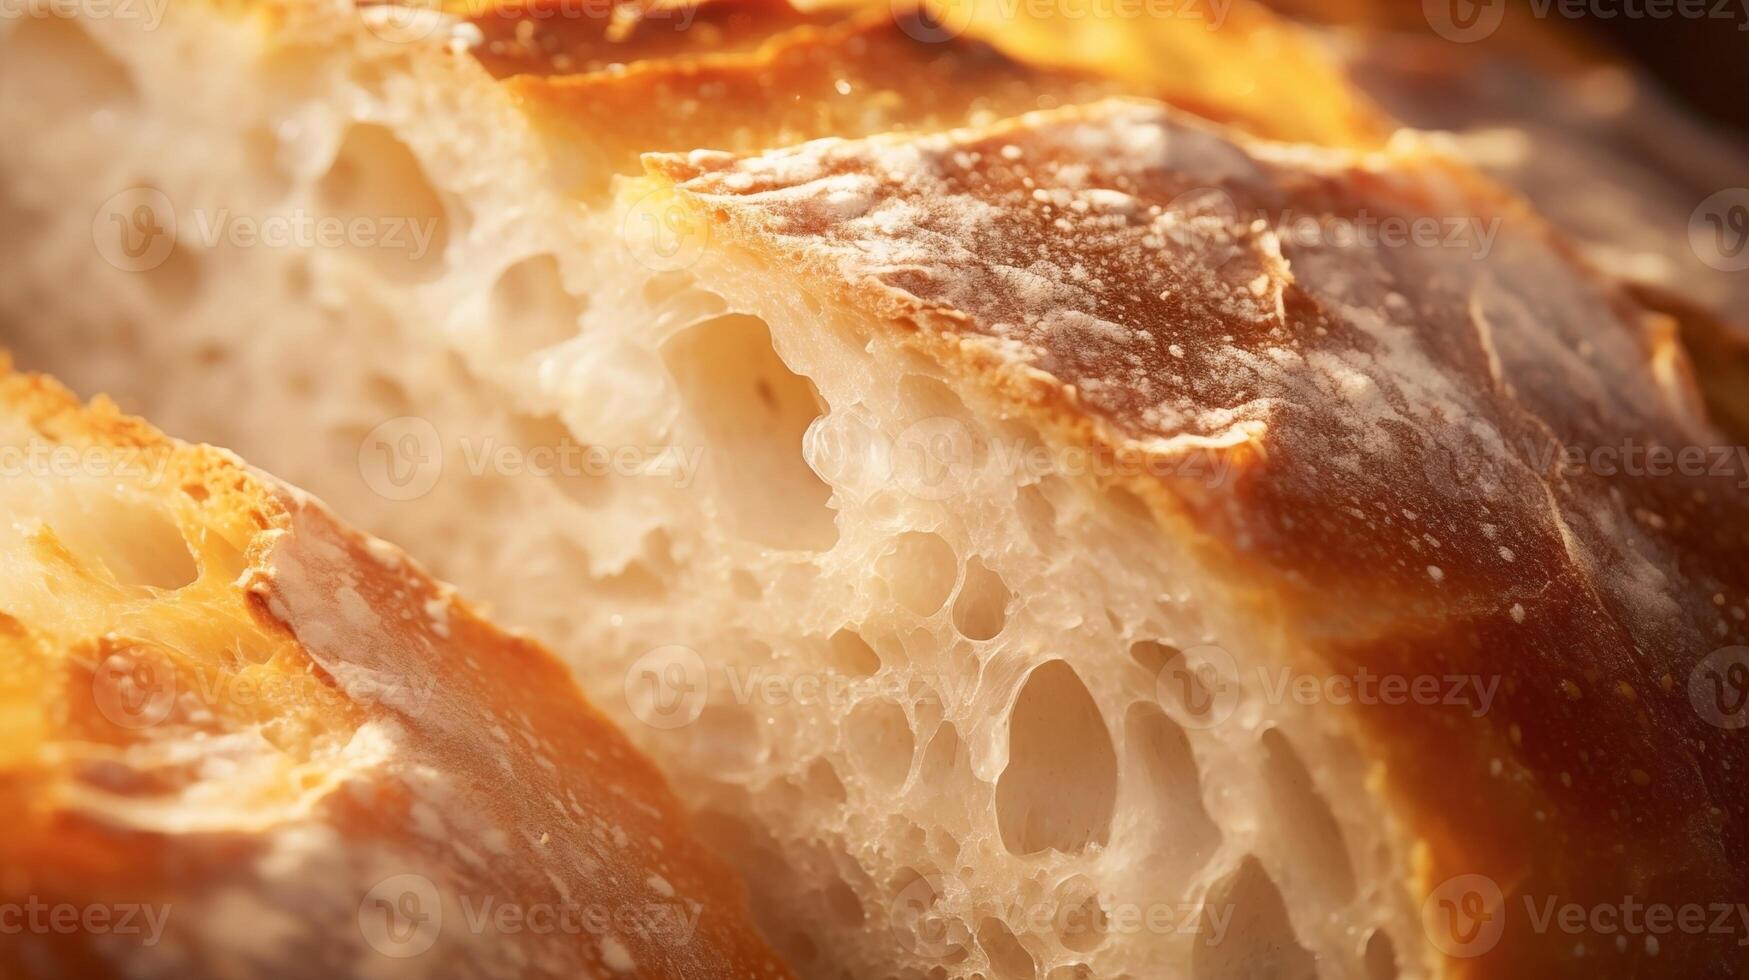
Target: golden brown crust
1396 418
869 74
261 764
565 37
748 75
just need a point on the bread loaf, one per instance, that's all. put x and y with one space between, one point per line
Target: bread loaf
242 740
1030 550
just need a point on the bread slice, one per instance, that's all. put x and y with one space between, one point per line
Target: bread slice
990 526
243 740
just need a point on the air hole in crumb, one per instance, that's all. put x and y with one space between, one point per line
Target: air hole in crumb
981 610
920 570
530 308
1060 787
745 586
543 449
1152 655
1162 751
1009 960
1301 806
752 412
881 743
944 759
1381 957
823 783
1081 924
845 906
135 539
1259 939
852 654
395 219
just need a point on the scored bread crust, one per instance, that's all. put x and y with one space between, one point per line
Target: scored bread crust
1383 411
1344 609
275 748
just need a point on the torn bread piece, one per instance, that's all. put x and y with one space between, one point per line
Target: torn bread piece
243 740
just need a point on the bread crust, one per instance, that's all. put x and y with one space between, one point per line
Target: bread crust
323 730
1386 416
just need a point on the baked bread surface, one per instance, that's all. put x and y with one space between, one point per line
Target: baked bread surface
1089 279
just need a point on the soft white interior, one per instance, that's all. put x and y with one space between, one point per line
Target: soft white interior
920 707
